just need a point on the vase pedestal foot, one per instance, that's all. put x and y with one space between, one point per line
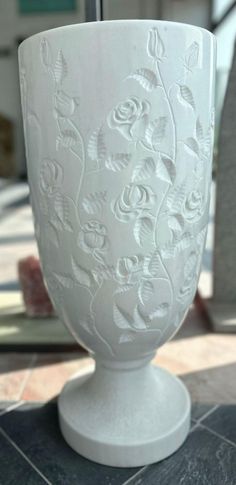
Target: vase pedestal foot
125 417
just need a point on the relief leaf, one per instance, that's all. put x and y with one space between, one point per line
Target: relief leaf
64 105
44 206
103 272
93 203
67 138
190 265
199 169
128 336
65 281
50 177
139 322
176 222
146 78
207 143
191 56
96 145
168 251
176 198
165 170
185 95
184 242
123 289
60 68
192 144
160 311
35 145
62 211
154 264
201 236
184 292
155 132
70 137
52 233
145 291
178 245
45 53
122 319
118 162
199 131
81 275
86 326
144 169
143 230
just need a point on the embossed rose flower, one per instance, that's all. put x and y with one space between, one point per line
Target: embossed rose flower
129 269
134 199
193 206
51 176
93 237
130 118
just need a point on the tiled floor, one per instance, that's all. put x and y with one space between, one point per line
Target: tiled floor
37 377
33 450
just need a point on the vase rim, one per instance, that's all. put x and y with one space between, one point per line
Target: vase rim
118 22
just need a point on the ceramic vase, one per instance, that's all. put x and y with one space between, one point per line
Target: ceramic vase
118 120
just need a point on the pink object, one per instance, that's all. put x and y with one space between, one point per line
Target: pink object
35 295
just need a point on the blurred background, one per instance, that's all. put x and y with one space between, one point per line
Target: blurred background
19 329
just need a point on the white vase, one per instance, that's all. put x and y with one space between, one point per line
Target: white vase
118 120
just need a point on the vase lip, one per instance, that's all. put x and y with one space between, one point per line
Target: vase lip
117 22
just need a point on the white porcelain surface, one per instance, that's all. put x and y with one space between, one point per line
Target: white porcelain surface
118 121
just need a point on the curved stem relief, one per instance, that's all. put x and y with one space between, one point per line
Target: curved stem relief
170 109
81 157
166 192
94 325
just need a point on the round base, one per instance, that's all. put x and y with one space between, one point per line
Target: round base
125 418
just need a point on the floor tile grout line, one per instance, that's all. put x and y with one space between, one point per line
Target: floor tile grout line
5 435
208 413
193 428
29 369
10 408
136 475
217 434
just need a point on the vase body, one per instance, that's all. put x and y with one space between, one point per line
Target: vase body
118 120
